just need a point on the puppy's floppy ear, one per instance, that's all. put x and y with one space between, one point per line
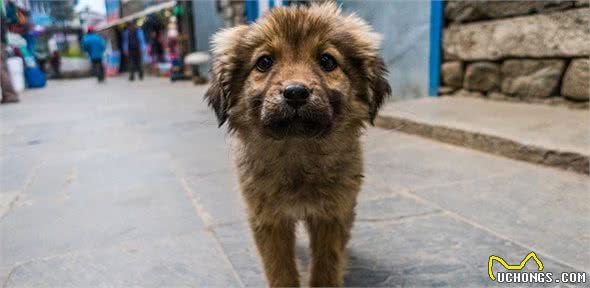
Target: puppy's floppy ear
379 88
226 64
215 97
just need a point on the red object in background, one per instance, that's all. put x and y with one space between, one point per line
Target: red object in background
17 52
16 28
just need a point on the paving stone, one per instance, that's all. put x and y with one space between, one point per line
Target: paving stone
49 113
187 148
7 199
216 158
91 137
542 210
238 244
424 165
77 219
187 261
118 169
382 140
428 251
33 138
4 272
219 196
52 177
17 170
394 207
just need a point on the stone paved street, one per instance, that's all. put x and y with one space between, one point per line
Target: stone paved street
130 184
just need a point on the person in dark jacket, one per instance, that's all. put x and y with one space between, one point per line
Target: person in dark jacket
95 45
133 46
55 62
157 49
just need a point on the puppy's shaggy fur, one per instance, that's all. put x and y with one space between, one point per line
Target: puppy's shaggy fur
298 155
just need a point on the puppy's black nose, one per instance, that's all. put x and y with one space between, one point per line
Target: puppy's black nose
296 95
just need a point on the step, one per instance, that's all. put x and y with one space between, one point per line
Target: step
538 133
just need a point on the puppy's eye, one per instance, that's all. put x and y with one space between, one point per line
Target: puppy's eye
264 63
327 62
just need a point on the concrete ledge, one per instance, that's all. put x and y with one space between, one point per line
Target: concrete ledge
552 136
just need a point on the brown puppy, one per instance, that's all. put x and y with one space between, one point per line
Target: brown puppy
295 88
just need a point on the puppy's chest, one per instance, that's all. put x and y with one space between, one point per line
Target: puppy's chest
298 174
307 177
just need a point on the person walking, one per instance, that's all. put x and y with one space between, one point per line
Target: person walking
133 46
55 62
95 45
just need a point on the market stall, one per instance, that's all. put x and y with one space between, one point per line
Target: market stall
21 37
167 39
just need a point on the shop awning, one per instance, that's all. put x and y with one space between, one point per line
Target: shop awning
144 12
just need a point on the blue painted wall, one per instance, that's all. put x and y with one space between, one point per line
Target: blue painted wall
206 22
405 27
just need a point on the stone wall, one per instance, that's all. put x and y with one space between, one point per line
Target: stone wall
533 51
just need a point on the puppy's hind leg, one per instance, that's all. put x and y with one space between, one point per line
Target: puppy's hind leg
328 239
275 240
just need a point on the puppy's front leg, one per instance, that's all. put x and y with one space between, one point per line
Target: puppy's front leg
328 239
275 239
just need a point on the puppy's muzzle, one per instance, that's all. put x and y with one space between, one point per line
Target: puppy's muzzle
296 95
295 111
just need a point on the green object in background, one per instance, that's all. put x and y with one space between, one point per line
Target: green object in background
178 10
73 52
2 10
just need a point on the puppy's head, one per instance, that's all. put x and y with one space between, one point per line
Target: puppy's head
297 72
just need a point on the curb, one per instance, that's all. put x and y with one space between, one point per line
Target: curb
570 161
